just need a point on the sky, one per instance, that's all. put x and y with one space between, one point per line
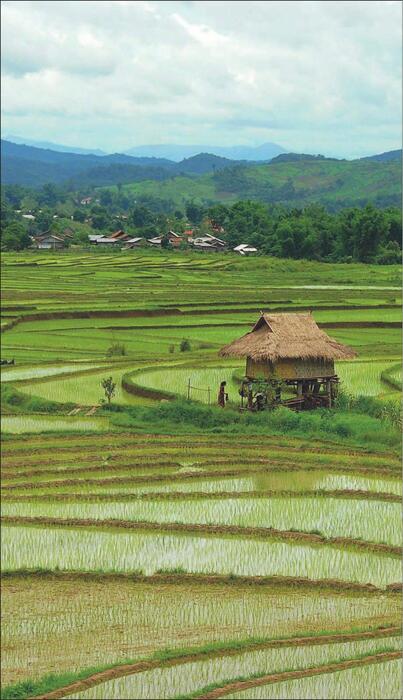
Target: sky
313 76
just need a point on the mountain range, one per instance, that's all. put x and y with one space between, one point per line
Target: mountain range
174 152
171 152
31 166
294 179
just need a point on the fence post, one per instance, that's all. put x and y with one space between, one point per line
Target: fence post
189 389
208 394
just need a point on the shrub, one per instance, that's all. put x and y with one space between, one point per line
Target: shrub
185 346
171 349
116 349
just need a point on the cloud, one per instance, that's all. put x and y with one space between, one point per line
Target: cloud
316 76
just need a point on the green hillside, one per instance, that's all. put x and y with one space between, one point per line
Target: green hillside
335 184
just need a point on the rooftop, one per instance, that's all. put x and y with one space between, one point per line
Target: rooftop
287 336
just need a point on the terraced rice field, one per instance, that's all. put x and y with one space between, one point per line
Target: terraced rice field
302 520
140 564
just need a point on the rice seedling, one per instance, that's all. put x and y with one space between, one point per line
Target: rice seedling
108 550
173 682
39 372
378 681
39 424
359 519
45 613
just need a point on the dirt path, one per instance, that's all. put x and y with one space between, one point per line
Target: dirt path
141 666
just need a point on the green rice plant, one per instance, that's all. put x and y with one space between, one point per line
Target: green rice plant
375 521
46 547
377 681
181 681
43 610
41 424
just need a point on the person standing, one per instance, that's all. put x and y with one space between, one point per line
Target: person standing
222 395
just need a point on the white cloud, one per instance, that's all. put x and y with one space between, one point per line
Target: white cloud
312 75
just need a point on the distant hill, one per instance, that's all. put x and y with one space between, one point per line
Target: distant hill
388 155
290 179
203 163
332 183
293 157
54 146
31 166
177 152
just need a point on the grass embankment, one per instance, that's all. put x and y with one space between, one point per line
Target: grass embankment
392 376
242 683
359 421
352 426
53 686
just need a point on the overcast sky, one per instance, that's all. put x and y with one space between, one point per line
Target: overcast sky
317 77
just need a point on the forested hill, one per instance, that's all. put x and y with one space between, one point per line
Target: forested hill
291 179
295 182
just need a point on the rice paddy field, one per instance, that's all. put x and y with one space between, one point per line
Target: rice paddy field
144 562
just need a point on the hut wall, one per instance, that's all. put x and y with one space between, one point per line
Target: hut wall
289 369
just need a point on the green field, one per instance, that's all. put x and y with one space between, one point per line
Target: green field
209 545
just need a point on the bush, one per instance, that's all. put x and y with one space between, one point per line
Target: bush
171 349
116 349
185 346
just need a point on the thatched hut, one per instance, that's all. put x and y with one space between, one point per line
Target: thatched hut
289 349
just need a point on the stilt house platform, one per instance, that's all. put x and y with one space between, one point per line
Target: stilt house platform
288 352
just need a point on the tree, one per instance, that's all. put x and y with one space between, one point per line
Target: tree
100 218
15 237
109 387
79 215
44 220
370 229
141 216
49 194
194 213
106 198
165 241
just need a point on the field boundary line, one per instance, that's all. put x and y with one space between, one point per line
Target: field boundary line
121 670
248 532
195 495
238 686
184 476
187 579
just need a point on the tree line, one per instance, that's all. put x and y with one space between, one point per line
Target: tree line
359 234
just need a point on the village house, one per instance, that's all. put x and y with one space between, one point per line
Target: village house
134 243
189 233
116 238
174 239
288 352
156 241
48 241
245 249
86 201
209 243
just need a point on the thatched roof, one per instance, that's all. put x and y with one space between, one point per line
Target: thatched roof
287 336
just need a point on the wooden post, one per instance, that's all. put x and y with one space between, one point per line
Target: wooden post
329 392
208 394
189 389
